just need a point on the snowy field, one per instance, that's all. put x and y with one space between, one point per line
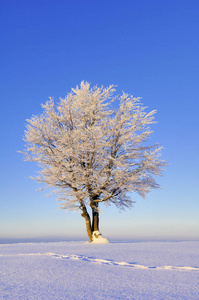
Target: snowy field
76 270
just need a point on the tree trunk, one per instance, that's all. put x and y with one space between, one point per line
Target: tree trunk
95 217
85 215
93 231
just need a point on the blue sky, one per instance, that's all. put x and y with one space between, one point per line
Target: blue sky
148 49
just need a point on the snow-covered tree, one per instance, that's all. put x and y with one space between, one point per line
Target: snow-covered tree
92 153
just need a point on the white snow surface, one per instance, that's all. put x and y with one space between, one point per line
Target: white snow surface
78 270
98 238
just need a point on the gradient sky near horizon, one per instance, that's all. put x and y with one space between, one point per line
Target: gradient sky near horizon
147 48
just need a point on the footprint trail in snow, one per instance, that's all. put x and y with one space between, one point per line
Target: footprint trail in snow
122 263
108 261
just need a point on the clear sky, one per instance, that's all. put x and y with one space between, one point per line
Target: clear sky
147 48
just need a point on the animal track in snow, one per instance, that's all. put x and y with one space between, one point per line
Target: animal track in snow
122 263
105 261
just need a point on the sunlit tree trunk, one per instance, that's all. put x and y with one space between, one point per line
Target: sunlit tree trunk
86 216
92 226
95 217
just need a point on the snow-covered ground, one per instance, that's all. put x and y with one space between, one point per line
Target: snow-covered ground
76 270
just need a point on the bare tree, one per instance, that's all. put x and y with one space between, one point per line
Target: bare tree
90 152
